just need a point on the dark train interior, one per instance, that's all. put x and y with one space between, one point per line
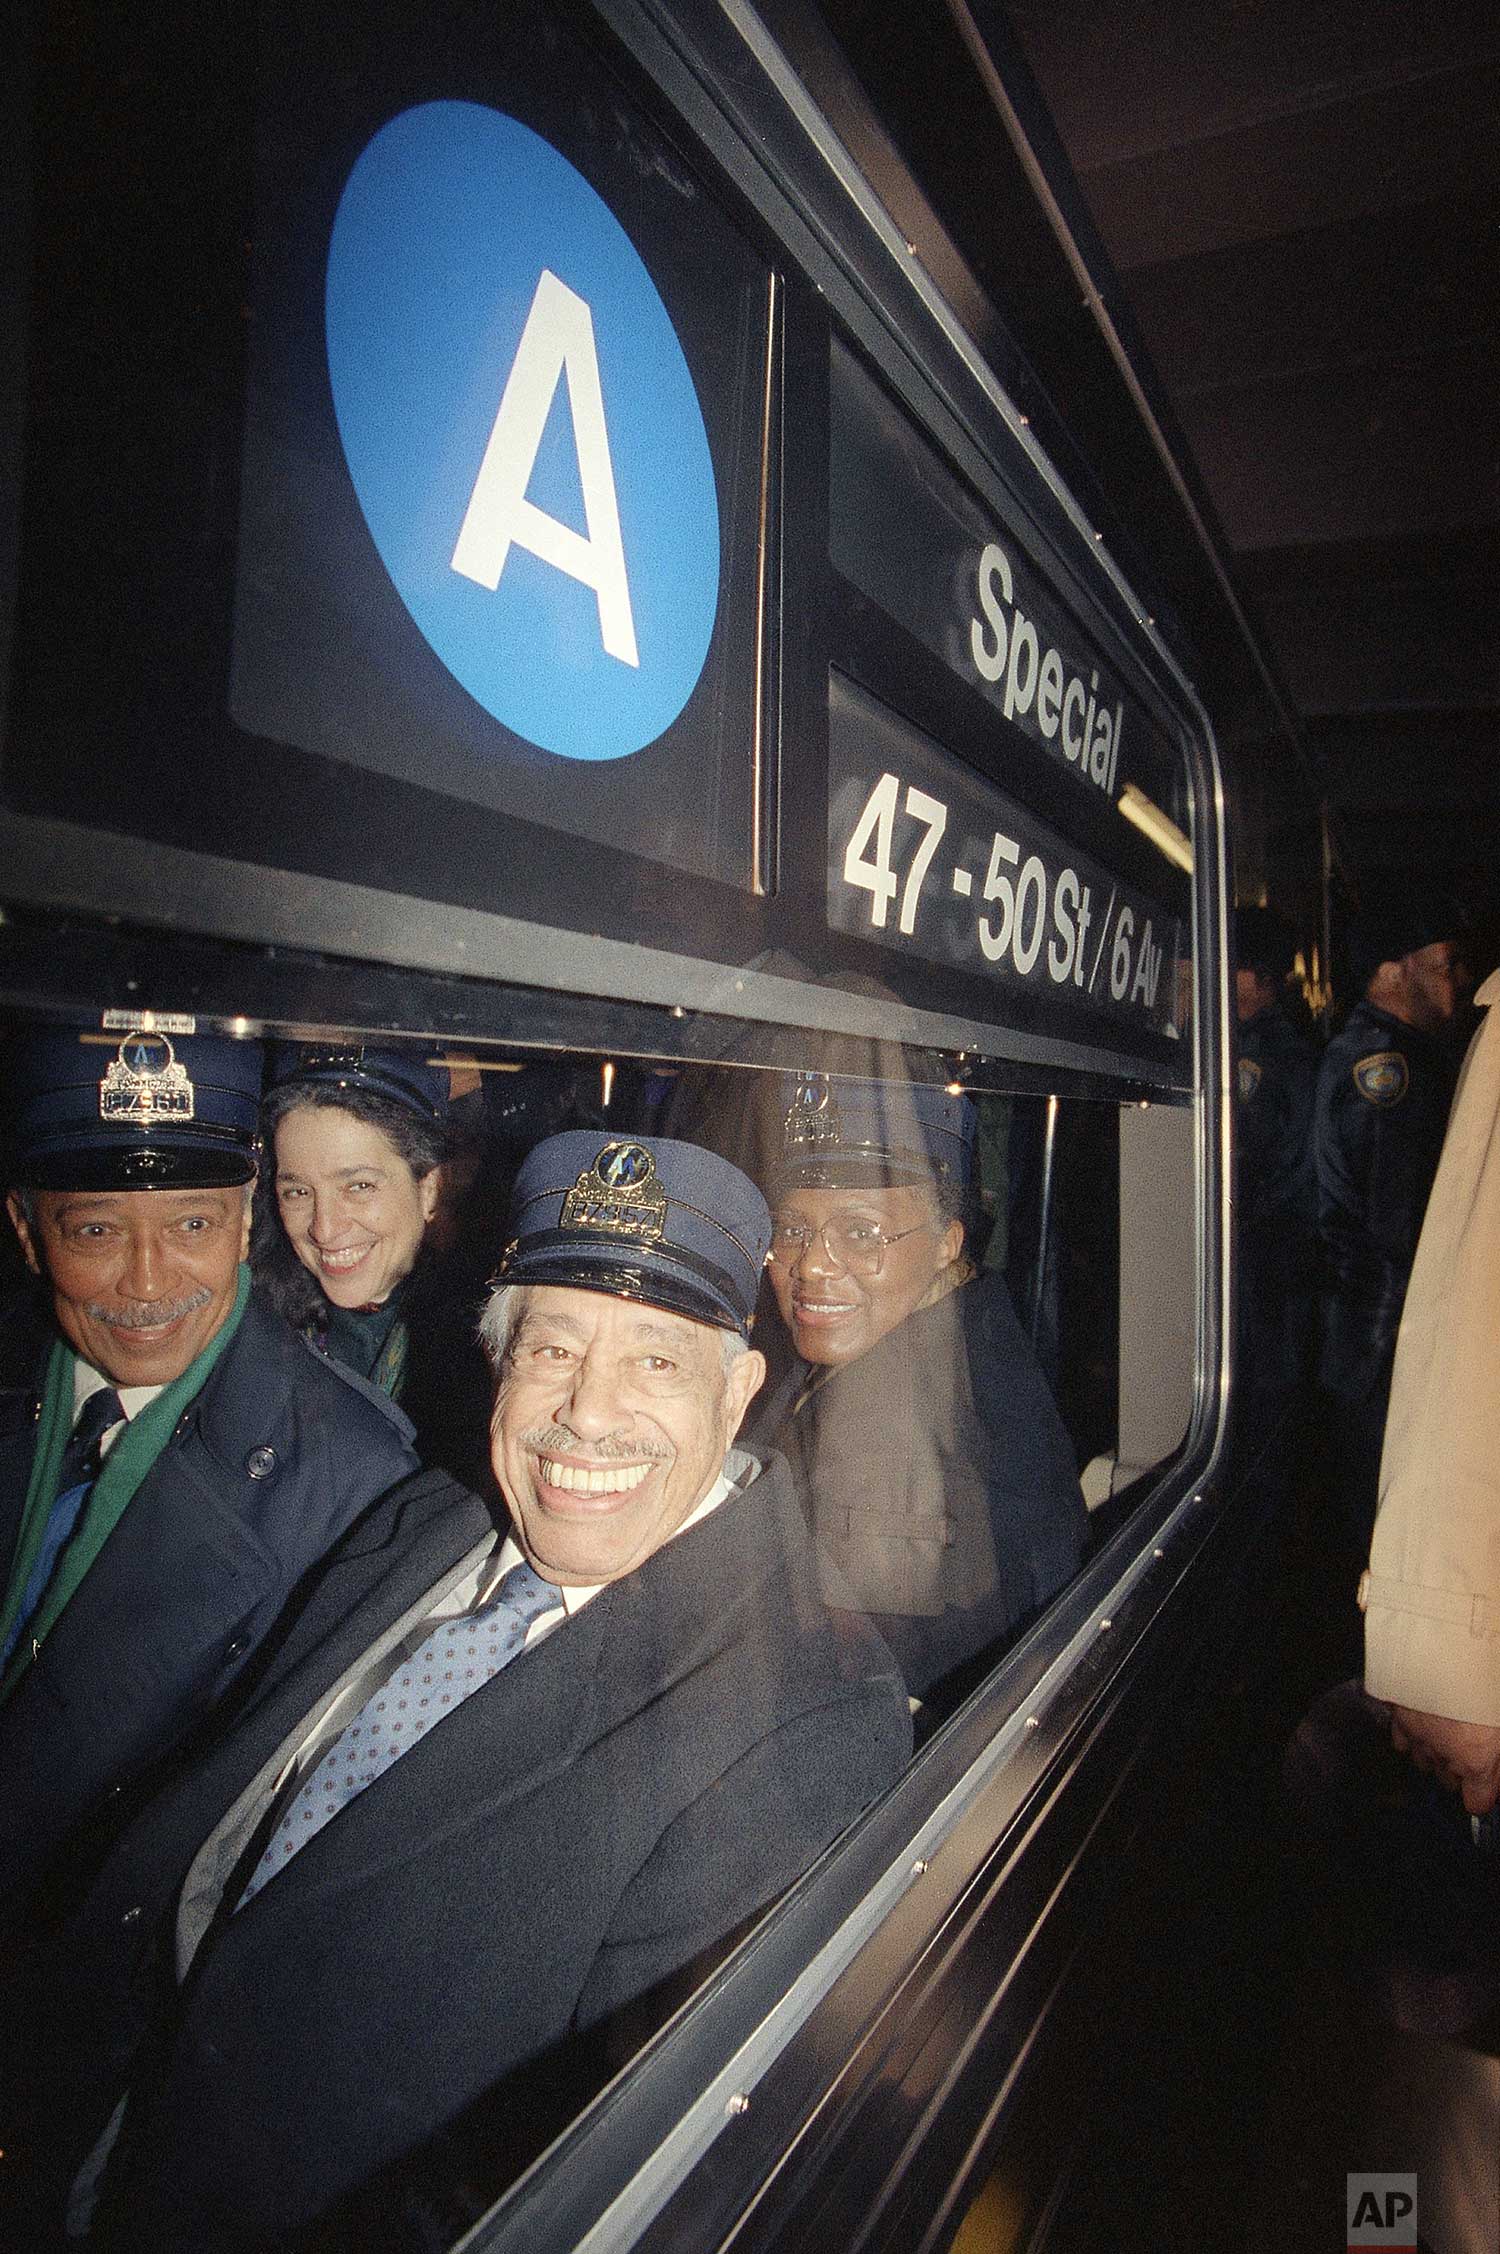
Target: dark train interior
1268 297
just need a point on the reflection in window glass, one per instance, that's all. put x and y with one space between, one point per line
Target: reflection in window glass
931 1460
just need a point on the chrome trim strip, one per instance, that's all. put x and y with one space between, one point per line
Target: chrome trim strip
711 2112
760 881
168 886
855 186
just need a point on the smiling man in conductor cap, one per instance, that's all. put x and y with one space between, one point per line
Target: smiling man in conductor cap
173 1460
495 1786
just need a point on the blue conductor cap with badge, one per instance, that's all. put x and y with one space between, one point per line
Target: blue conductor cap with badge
837 1131
393 1074
133 1107
643 1218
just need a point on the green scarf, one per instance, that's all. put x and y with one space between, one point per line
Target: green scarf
126 1465
374 1341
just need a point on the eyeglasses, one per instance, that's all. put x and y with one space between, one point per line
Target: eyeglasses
859 1246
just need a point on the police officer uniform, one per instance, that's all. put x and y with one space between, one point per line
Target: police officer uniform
1384 1092
127 1624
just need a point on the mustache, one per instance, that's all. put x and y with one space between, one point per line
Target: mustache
151 1314
554 1440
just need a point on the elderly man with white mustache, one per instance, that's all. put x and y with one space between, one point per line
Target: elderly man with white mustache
497 1786
173 1460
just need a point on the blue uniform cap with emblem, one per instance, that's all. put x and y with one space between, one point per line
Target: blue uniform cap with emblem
132 1110
643 1218
398 1075
838 1133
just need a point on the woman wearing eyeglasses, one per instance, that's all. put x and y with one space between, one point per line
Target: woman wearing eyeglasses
935 1469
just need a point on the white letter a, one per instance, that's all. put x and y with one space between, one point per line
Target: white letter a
558 338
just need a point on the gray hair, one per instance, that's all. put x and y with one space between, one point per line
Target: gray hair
501 1309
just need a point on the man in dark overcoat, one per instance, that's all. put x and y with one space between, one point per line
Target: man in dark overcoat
495 1787
173 1460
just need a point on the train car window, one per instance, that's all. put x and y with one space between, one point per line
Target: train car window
943 1316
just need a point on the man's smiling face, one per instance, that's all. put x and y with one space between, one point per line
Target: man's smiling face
141 1279
611 1424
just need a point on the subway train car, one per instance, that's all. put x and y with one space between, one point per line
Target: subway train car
510 555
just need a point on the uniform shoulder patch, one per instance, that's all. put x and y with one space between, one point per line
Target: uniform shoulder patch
1249 1078
1382 1079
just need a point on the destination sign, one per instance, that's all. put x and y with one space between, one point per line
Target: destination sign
911 535
927 858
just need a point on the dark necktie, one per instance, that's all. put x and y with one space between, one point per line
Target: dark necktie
80 1463
75 1478
458 1658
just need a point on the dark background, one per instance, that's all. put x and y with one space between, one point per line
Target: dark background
1285 211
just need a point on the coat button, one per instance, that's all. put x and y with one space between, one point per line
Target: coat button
241 1643
261 1462
132 1915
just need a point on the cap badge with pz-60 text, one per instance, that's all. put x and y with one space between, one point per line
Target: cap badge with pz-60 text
145 1084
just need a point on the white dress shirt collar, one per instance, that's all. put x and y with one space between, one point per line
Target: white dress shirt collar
87 1381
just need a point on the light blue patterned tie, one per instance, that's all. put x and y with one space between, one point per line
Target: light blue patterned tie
459 1657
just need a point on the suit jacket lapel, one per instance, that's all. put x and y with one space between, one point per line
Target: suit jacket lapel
25 1343
417 1534
17 1446
222 1850
480 1754
509 1739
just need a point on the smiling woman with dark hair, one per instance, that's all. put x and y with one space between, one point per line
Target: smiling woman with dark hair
933 1465
359 1139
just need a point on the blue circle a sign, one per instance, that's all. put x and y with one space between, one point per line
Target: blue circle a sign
522 431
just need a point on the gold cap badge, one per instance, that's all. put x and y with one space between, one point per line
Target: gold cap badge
619 1195
145 1084
813 1120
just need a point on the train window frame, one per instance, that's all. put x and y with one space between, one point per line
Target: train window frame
737 2085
